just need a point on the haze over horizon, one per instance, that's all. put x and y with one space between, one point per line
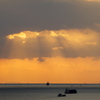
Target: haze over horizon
49 40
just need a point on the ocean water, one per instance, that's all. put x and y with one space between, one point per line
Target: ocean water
49 92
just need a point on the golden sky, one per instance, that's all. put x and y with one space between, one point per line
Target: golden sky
49 40
78 65
54 70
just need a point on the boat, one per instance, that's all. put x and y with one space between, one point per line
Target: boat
61 95
47 83
71 91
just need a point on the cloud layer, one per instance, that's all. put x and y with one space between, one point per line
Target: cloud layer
66 43
36 15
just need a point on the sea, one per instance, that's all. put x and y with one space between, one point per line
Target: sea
49 92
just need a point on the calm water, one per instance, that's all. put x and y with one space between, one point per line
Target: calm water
49 93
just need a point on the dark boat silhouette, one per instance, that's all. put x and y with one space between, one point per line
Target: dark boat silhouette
47 83
71 91
61 95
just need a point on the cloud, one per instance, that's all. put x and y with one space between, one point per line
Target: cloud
97 25
23 35
51 43
39 15
66 1
52 26
55 48
92 0
40 59
63 38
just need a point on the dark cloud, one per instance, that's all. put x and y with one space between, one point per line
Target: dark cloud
65 43
16 16
38 15
41 59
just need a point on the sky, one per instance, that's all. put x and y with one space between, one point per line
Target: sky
49 40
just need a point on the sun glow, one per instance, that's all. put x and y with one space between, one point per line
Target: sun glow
54 41
52 56
54 70
73 36
21 35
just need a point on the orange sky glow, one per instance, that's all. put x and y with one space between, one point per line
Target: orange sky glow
56 68
50 40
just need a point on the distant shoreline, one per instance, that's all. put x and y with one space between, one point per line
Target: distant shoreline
30 85
50 83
